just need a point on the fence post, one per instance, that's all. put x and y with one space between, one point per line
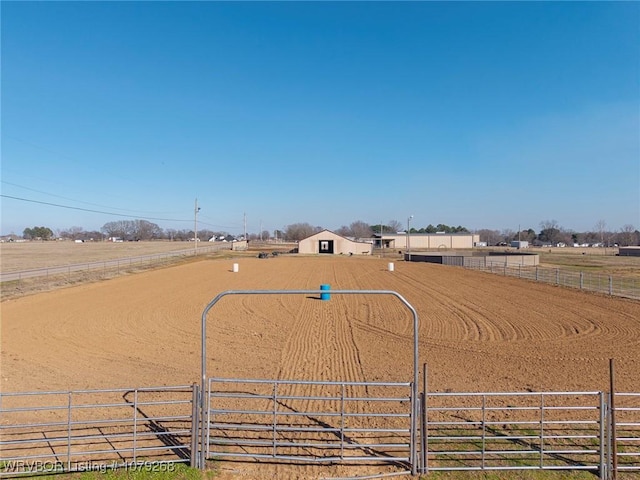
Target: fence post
424 443
135 426
484 428
195 404
541 431
557 276
612 407
342 422
205 397
581 280
610 285
69 432
275 417
602 471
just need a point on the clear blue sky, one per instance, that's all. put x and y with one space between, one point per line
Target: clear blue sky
482 114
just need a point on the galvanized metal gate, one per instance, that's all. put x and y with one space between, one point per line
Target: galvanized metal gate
306 420
311 422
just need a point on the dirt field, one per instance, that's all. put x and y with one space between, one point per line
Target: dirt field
478 332
17 256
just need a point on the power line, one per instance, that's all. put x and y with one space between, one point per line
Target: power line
108 213
93 211
67 198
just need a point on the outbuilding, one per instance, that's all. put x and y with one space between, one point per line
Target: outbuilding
426 241
629 251
328 242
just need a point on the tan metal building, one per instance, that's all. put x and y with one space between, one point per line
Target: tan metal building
327 242
426 241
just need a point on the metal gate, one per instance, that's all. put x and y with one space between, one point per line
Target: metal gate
310 421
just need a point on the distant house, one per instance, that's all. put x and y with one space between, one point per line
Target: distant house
328 242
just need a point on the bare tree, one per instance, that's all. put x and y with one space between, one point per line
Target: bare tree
601 228
489 236
122 229
507 235
300 231
628 236
395 226
145 230
549 232
170 233
360 229
344 231
75 233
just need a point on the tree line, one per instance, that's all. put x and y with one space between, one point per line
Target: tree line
549 233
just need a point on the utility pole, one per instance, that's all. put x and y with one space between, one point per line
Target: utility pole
409 237
245 227
196 209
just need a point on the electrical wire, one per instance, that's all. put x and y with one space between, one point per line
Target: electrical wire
93 211
110 213
66 198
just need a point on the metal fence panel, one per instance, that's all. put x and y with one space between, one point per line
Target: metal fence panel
627 431
514 431
95 430
310 422
607 284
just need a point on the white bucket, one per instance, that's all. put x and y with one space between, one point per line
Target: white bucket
236 267
391 266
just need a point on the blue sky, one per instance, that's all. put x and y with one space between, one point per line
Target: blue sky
481 114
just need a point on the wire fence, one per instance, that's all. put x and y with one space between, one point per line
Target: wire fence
628 287
116 266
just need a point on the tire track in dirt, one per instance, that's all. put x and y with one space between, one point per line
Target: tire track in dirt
564 321
480 324
321 345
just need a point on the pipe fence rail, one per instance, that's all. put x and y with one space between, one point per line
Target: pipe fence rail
627 419
108 265
628 287
349 422
514 431
314 422
96 430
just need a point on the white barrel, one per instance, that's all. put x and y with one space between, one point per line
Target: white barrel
391 266
236 267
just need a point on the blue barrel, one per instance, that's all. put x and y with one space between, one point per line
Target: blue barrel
325 296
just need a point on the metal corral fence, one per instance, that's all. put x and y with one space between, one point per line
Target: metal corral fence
627 432
155 428
515 431
96 430
110 265
312 422
607 284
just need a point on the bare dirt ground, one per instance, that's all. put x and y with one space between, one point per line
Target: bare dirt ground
478 332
